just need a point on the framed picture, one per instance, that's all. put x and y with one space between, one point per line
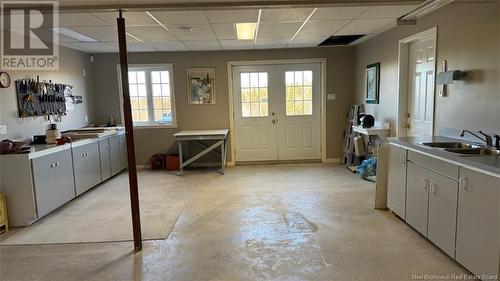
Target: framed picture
201 85
372 83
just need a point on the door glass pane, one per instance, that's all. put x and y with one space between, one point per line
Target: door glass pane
299 93
254 94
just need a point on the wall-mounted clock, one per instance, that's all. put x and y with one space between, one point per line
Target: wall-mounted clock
4 80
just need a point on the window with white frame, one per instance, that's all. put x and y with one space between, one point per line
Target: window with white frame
152 95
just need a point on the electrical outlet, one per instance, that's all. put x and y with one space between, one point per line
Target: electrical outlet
3 129
331 97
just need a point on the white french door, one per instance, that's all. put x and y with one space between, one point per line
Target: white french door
277 112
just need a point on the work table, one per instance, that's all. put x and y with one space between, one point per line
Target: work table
485 164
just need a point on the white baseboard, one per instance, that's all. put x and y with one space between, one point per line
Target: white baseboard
143 167
332 160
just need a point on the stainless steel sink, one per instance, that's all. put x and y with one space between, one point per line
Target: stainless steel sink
451 145
481 151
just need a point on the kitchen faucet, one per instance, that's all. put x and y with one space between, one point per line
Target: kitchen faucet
487 138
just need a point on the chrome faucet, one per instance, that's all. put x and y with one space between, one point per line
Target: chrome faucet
487 138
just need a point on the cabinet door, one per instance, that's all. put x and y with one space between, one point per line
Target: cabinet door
105 159
396 180
417 197
123 151
87 168
478 222
114 151
443 195
53 181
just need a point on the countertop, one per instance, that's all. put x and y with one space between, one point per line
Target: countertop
39 150
486 164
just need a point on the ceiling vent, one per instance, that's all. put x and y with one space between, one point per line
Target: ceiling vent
342 40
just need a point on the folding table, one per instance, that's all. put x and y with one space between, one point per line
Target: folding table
220 136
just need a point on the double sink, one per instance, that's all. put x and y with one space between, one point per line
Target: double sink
464 149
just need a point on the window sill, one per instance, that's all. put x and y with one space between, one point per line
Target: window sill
155 126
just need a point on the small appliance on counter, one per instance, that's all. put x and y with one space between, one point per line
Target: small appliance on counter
39 139
366 120
52 134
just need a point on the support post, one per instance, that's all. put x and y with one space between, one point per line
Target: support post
129 130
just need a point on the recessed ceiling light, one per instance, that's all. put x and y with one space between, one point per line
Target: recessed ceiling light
73 34
246 31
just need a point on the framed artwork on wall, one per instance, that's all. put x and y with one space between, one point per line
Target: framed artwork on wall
201 85
372 83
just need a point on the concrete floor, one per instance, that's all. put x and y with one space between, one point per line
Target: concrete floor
279 222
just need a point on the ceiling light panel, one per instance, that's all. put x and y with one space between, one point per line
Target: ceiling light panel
338 13
73 34
285 15
180 17
246 31
231 16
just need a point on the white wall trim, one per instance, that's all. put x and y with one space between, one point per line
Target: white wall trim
321 61
403 65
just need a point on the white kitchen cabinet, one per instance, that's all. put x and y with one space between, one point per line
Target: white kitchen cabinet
396 180
86 164
417 197
115 155
53 181
123 152
105 159
443 193
478 222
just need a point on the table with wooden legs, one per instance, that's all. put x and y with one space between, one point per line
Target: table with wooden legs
219 136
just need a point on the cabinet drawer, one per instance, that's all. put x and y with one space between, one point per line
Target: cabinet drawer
433 164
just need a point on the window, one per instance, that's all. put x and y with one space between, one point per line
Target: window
254 100
152 96
299 93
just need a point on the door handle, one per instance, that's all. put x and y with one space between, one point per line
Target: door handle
425 184
464 183
434 188
274 121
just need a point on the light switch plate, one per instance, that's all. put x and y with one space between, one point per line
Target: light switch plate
3 129
331 97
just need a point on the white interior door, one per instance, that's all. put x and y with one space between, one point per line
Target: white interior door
299 112
254 113
277 112
421 87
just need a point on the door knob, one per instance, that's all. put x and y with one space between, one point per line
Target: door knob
274 121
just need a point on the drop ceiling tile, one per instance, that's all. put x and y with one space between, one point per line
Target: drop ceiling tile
338 13
94 47
379 12
321 28
180 17
204 45
131 18
285 15
309 41
278 30
237 44
199 32
364 26
232 16
169 46
151 33
80 19
271 43
225 31
136 46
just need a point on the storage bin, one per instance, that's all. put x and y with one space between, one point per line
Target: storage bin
172 162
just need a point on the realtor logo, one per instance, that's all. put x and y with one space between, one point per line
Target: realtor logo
27 38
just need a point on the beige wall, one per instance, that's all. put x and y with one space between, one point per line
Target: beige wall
340 81
72 64
469 39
